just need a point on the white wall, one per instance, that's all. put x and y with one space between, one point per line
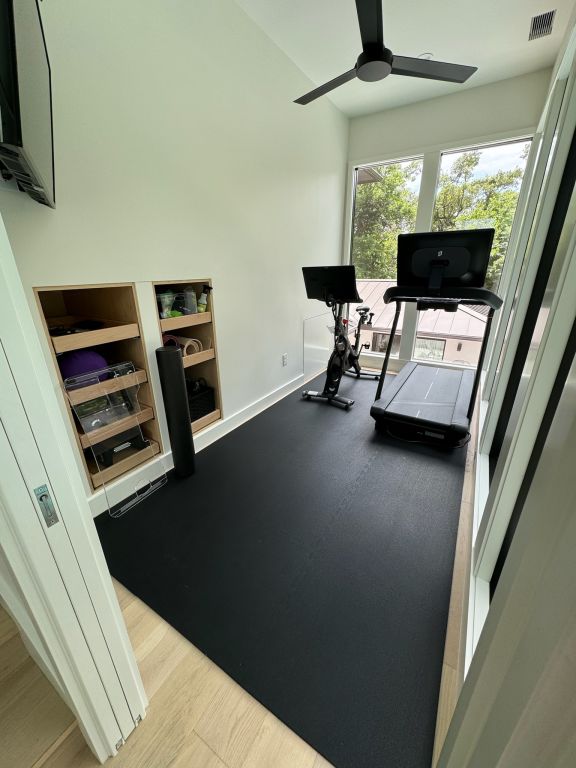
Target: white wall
502 109
180 154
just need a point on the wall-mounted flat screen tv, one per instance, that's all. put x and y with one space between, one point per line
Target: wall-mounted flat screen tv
26 136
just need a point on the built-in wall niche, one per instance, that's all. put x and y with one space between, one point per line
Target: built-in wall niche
88 328
183 323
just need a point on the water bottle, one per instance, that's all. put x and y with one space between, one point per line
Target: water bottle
190 300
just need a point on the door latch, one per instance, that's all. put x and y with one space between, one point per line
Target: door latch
46 505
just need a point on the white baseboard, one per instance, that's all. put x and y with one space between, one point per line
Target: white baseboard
125 487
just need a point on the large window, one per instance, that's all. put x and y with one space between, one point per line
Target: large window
385 205
476 188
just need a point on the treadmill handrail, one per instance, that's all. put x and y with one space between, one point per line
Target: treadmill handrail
398 293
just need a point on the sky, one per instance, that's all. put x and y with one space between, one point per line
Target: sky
503 157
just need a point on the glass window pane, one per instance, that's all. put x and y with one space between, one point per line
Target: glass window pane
429 349
385 204
477 188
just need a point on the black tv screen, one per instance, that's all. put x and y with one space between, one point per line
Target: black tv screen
460 258
9 107
26 140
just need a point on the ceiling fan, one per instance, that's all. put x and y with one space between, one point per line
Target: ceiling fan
377 62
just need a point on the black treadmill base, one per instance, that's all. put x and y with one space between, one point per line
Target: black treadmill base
426 404
417 433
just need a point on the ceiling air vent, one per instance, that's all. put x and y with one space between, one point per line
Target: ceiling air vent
541 25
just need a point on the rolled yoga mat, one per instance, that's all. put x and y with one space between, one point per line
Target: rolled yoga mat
173 384
187 345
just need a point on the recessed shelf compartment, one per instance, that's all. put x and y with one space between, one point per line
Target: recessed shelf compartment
200 327
198 357
185 321
210 418
132 459
83 394
109 325
116 428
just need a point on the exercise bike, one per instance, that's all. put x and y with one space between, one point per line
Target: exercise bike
336 287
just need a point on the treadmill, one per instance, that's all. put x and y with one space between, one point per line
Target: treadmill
437 271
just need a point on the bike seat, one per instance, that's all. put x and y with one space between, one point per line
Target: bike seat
363 308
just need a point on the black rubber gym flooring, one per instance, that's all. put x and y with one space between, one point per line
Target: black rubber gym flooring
311 559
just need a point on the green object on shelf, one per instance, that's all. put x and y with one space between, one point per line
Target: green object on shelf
174 313
165 301
203 300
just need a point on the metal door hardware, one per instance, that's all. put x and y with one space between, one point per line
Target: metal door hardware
46 505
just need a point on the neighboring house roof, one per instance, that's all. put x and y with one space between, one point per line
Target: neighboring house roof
467 323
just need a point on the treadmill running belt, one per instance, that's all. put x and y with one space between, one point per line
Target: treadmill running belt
429 393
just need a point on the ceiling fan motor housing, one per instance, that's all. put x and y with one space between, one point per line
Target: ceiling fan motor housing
374 65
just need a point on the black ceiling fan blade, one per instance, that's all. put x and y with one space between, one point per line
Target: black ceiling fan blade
370 21
431 70
322 89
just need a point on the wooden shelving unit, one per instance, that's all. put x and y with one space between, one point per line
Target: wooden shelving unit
130 461
109 333
204 421
199 357
186 321
83 394
96 436
113 310
199 326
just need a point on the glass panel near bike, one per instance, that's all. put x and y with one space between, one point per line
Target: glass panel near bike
477 188
385 204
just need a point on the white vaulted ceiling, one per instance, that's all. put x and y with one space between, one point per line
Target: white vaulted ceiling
322 39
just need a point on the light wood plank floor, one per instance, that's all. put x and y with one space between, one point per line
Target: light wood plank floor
454 649
198 717
33 717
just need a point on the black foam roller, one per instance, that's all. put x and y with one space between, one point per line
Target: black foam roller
173 383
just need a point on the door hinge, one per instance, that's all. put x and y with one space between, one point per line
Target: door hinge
46 505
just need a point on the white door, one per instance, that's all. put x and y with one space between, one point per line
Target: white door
53 576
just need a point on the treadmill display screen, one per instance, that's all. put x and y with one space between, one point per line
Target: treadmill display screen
456 259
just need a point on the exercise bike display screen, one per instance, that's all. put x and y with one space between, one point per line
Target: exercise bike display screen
331 284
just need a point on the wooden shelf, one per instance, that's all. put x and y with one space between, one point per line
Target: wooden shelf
198 357
83 394
110 430
210 418
132 458
185 321
110 332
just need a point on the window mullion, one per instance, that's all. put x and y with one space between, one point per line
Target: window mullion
427 194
